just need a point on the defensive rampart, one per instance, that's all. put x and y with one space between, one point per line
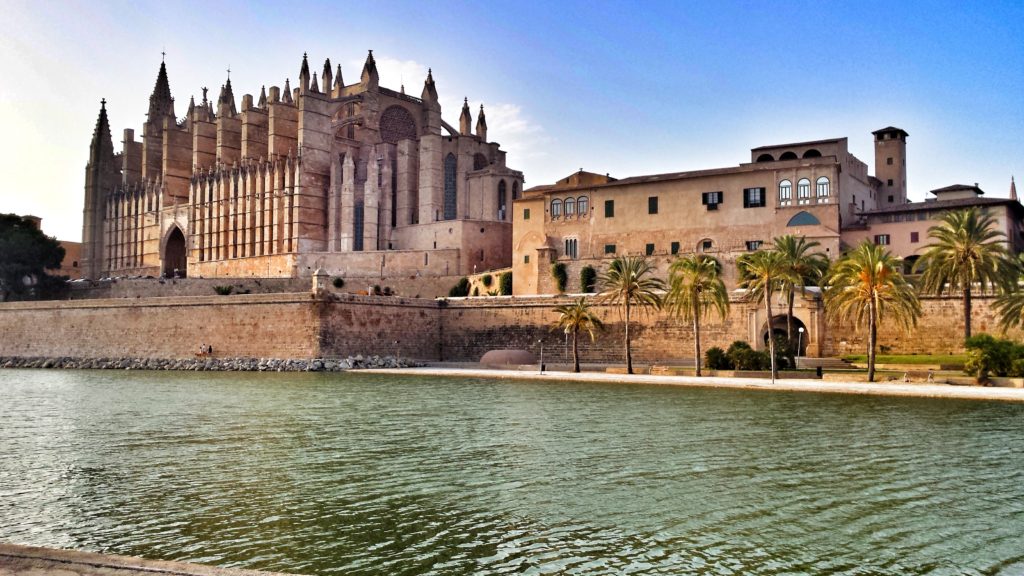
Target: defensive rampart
299 325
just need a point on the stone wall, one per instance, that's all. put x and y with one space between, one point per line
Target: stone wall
939 331
297 325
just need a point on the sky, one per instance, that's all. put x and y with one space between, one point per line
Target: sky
610 87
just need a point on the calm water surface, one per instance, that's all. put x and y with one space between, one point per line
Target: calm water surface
361 474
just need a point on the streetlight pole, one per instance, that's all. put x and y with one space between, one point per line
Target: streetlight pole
799 341
541 367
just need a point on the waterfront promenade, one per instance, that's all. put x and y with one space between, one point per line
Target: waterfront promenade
789 385
18 560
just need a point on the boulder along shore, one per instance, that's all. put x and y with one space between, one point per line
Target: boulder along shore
204 363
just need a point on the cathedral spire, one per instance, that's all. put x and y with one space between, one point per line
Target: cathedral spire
369 76
304 74
327 76
102 146
338 82
481 125
429 90
160 102
262 104
287 97
226 101
1013 189
466 119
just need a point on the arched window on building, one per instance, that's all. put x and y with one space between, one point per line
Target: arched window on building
450 198
803 191
785 193
570 207
501 200
556 209
823 191
812 153
583 206
788 156
803 218
515 190
766 158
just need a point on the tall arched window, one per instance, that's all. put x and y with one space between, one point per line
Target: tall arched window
803 191
450 198
823 191
515 190
785 193
556 209
501 200
570 207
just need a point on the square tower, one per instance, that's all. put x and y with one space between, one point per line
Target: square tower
891 166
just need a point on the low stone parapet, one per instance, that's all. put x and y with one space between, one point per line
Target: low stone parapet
207 364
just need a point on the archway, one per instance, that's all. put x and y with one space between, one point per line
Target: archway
175 261
779 329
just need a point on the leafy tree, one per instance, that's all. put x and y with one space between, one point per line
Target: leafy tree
866 285
588 276
487 279
628 282
966 249
560 276
25 255
460 289
806 268
576 317
505 283
695 290
762 273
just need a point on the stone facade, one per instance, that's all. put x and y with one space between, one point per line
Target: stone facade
321 176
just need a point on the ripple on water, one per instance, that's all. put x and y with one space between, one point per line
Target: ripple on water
361 474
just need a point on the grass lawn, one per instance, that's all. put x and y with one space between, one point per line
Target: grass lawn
909 358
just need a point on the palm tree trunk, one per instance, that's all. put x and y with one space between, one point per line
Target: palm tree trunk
872 339
967 312
789 318
696 340
629 355
771 338
575 351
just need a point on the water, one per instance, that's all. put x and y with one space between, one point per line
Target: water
362 474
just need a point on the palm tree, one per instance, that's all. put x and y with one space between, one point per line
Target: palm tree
806 269
573 318
695 289
628 282
761 273
1010 306
866 284
966 249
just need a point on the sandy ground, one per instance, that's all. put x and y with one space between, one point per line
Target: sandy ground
877 388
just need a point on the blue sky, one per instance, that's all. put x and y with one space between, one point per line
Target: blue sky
625 88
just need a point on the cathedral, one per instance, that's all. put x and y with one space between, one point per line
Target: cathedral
355 179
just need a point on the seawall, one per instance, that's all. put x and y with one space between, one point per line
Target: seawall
330 325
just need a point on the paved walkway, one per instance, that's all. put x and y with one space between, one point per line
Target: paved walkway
877 388
32 561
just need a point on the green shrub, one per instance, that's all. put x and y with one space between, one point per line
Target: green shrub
743 357
505 283
223 290
588 279
460 289
476 290
1017 368
338 282
715 359
989 356
486 280
559 274
376 290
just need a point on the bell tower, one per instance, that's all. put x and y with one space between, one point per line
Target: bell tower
891 165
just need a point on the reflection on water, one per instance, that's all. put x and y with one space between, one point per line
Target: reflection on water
362 474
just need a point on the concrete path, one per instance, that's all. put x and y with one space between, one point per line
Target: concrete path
32 561
877 388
